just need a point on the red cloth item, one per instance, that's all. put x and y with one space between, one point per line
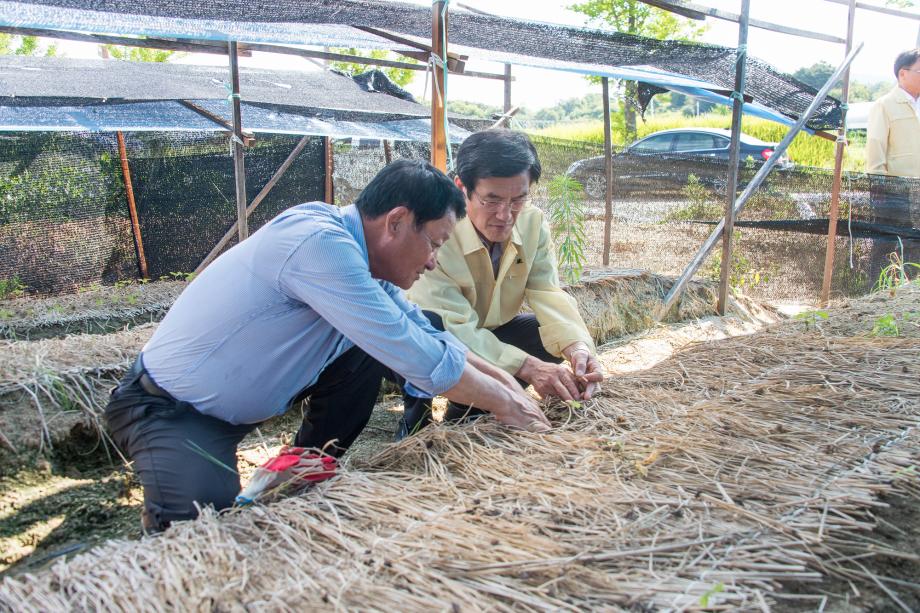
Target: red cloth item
291 464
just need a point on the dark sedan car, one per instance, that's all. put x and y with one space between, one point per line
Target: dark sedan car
661 163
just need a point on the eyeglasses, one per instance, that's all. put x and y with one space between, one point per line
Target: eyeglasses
494 204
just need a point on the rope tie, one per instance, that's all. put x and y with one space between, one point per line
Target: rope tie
231 95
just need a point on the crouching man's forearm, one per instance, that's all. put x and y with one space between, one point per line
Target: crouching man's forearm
485 387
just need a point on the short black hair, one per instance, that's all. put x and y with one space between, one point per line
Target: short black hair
417 185
496 152
906 60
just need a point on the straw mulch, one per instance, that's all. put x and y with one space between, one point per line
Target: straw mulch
858 317
709 480
97 309
617 302
47 386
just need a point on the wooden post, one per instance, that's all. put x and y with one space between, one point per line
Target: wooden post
838 172
329 192
608 170
507 88
239 165
734 154
255 202
132 209
387 152
438 83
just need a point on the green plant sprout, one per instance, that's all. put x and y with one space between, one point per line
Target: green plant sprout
567 222
811 318
886 325
895 273
704 599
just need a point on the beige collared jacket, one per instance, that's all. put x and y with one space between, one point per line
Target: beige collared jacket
465 293
893 136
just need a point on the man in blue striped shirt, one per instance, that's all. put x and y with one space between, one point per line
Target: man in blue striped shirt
309 307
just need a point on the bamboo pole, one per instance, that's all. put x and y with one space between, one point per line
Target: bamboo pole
838 171
438 83
239 164
132 209
732 188
228 235
608 169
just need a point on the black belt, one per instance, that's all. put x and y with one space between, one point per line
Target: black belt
146 382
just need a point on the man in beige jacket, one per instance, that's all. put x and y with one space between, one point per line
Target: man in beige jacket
893 135
498 257
893 160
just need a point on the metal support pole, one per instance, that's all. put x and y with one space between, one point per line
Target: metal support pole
608 169
438 83
838 171
734 154
678 287
329 187
239 165
132 208
507 106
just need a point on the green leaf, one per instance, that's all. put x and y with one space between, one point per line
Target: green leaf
704 599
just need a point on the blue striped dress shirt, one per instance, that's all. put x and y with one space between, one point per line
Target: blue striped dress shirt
262 321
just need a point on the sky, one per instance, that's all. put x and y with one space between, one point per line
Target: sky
884 37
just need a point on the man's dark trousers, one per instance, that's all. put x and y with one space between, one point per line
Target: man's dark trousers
522 332
184 458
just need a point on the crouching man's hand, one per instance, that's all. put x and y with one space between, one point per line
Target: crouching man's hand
550 379
498 393
586 367
521 411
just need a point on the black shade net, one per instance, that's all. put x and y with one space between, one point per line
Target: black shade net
64 219
319 22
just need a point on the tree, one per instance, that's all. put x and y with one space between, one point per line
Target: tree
138 54
24 45
399 76
473 109
639 19
815 75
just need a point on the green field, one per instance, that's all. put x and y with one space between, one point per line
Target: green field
806 150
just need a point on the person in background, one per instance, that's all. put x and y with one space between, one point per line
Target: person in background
498 257
893 133
893 162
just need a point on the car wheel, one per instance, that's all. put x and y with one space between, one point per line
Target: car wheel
596 186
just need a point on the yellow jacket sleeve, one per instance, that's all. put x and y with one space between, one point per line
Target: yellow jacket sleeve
557 312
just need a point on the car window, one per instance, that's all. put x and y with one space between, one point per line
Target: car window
721 142
693 141
654 144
